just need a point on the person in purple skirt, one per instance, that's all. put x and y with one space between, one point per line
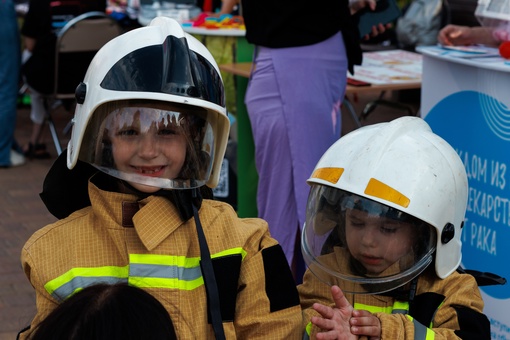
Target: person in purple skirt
302 55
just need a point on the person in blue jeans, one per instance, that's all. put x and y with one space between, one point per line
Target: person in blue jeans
9 81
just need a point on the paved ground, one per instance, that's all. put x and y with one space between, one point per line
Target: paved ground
22 213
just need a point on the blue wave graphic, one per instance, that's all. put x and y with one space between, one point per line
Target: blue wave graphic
478 127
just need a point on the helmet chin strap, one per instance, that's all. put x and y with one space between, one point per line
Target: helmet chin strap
188 202
182 199
208 273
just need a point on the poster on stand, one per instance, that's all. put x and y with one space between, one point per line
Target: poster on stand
466 101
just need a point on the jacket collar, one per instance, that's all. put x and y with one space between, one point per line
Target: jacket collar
154 218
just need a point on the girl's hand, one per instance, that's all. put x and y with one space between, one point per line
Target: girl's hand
365 323
335 321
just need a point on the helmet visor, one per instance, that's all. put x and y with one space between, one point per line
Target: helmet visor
155 144
361 245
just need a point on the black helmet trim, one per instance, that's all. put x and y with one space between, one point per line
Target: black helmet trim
167 68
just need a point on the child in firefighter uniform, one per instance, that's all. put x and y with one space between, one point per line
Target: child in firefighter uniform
151 121
382 239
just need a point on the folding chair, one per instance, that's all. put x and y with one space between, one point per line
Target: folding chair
77 43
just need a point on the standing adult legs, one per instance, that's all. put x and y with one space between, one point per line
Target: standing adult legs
293 100
9 81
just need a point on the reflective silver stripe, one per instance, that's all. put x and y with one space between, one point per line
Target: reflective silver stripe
421 332
399 311
165 272
143 270
80 282
140 271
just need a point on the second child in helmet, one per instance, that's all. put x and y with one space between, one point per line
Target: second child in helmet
382 239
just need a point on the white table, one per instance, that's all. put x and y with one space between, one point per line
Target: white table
392 70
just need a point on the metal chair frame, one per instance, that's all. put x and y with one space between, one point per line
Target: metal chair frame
85 35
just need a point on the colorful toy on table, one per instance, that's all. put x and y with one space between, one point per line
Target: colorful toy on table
224 21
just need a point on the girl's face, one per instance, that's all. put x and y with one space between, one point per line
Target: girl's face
377 242
148 146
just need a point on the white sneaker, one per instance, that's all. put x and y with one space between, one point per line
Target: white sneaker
17 159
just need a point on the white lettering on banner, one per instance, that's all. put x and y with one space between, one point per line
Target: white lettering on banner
476 167
498 174
483 238
499 330
490 206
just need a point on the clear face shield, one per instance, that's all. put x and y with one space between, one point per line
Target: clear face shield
151 145
363 246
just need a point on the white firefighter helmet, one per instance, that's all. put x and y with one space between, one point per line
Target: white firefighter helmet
155 79
401 180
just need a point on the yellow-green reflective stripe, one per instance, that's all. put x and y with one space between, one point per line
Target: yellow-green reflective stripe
76 278
180 272
431 324
181 261
398 307
231 251
164 260
308 329
373 309
147 282
420 331
145 270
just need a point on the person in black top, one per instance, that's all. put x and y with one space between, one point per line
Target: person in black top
303 52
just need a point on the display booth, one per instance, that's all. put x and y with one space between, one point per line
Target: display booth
466 100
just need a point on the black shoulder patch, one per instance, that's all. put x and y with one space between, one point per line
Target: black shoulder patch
473 325
280 286
424 307
226 270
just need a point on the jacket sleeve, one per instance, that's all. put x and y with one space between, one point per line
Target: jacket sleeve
310 291
459 316
44 302
268 304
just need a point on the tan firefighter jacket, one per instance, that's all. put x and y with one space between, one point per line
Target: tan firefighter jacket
146 244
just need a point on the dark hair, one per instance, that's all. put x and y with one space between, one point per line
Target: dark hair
103 311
